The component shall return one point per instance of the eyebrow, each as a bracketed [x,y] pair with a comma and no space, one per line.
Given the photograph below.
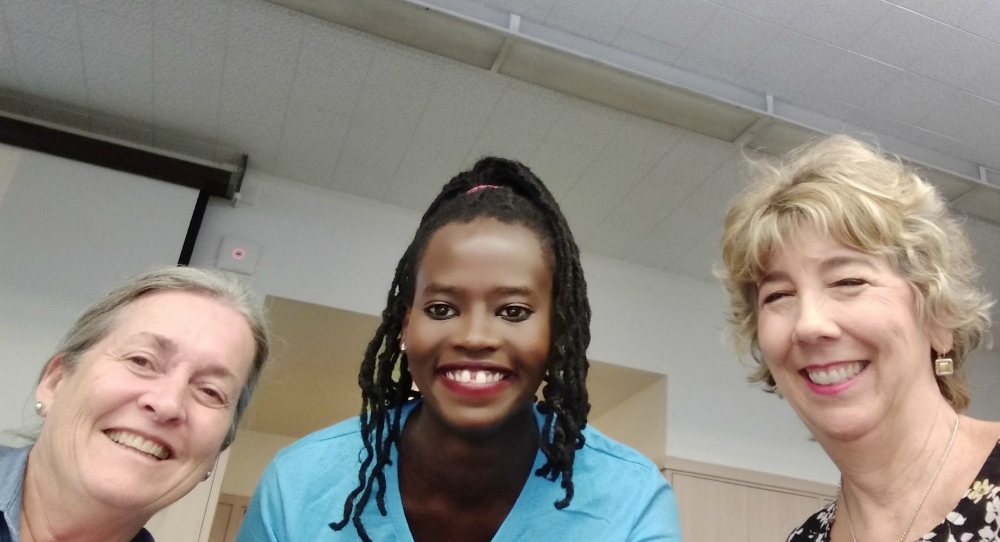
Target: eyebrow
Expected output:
[435,288]
[826,266]
[170,346]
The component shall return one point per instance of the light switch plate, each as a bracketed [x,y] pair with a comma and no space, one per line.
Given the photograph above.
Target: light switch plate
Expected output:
[238,255]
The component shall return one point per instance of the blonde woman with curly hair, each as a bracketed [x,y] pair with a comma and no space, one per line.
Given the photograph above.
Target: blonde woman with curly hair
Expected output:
[855,291]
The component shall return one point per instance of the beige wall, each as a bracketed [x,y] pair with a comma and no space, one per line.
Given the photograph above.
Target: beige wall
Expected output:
[640,421]
[251,452]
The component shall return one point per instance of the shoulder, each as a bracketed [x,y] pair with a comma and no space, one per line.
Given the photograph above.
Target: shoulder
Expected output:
[817,527]
[333,443]
[612,456]
[10,455]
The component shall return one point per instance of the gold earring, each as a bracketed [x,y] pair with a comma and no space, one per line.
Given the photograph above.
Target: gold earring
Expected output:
[944,366]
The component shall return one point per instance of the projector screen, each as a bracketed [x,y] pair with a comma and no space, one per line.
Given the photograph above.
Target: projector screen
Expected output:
[69,231]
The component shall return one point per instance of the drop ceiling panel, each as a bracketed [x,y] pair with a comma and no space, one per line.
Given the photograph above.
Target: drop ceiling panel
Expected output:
[177,79]
[120,85]
[984,22]
[456,113]
[574,142]
[598,20]
[675,22]
[332,67]
[132,38]
[53,18]
[521,120]
[854,79]
[788,65]
[50,68]
[908,98]
[137,10]
[838,23]
[310,144]
[733,37]
[779,12]
[698,260]
[396,92]
[646,47]
[203,18]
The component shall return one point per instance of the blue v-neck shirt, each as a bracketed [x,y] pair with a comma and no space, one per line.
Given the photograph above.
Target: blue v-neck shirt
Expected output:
[620,496]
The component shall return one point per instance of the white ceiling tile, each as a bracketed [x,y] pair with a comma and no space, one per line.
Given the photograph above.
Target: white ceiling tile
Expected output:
[788,65]
[899,38]
[332,68]
[675,22]
[395,94]
[522,118]
[536,10]
[702,212]
[205,19]
[779,12]
[908,98]
[638,146]
[187,66]
[50,68]
[854,79]
[10,79]
[55,18]
[573,143]
[709,66]
[839,23]
[873,123]
[311,141]
[734,37]
[131,38]
[954,58]
[256,131]
[118,85]
[138,10]
[691,161]
[616,234]
[984,22]
[598,20]
[265,30]
[952,12]
[964,117]
[699,260]
[986,81]
[250,77]
[645,46]
[456,113]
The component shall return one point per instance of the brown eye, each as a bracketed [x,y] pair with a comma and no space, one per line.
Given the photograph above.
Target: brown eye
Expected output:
[440,311]
[515,313]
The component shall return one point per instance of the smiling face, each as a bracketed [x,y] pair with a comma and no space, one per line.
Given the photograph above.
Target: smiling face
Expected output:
[477,335]
[141,418]
[840,333]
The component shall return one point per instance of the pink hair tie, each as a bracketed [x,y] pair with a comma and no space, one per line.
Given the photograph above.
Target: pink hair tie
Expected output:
[482,187]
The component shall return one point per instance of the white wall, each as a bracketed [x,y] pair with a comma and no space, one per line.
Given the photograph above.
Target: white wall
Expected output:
[68,232]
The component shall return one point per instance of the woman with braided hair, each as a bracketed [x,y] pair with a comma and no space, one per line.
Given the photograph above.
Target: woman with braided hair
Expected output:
[487,302]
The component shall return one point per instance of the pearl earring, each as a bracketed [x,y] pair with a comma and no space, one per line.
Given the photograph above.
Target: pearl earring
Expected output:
[207,475]
[38,407]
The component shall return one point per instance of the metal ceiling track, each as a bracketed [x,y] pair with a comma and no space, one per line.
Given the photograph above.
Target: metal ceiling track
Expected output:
[505,43]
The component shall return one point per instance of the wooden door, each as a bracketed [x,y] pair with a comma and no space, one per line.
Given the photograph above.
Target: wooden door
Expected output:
[228,518]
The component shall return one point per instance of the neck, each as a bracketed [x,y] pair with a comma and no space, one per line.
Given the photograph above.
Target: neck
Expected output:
[52,511]
[468,469]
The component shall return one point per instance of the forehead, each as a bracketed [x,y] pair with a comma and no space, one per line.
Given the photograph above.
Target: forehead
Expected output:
[486,248]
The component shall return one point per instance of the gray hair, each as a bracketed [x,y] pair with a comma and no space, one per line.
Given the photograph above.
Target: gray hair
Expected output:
[99,320]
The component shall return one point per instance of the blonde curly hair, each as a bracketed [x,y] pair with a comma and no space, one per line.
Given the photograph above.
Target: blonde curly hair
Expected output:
[873,203]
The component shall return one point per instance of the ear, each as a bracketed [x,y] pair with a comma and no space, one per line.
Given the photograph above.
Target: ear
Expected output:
[942,341]
[52,378]
[406,324]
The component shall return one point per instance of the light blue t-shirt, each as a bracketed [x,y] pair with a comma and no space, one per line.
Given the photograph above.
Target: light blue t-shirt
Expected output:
[620,496]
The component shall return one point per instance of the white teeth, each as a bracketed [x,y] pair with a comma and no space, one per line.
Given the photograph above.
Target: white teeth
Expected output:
[837,375]
[139,443]
[476,377]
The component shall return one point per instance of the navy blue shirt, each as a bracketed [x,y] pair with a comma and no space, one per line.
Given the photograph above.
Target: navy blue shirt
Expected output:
[12,464]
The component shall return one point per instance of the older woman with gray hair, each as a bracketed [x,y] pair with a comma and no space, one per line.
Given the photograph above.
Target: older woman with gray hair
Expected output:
[144,392]
[855,291]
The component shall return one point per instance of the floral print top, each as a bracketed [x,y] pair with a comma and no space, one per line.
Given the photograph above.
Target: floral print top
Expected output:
[975,519]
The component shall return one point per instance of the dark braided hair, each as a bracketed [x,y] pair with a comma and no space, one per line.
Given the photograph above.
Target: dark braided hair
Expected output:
[509,192]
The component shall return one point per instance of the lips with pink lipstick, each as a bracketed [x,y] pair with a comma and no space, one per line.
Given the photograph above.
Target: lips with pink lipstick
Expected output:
[475,378]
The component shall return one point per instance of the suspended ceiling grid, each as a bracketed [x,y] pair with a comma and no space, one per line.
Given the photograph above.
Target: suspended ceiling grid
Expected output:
[325,105]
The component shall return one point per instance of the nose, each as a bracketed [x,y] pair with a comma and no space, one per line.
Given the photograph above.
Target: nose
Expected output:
[478,332]
[164,399]
[813,322]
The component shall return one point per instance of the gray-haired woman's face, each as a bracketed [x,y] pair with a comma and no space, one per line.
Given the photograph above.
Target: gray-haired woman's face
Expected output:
[840,333]
[142,417]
